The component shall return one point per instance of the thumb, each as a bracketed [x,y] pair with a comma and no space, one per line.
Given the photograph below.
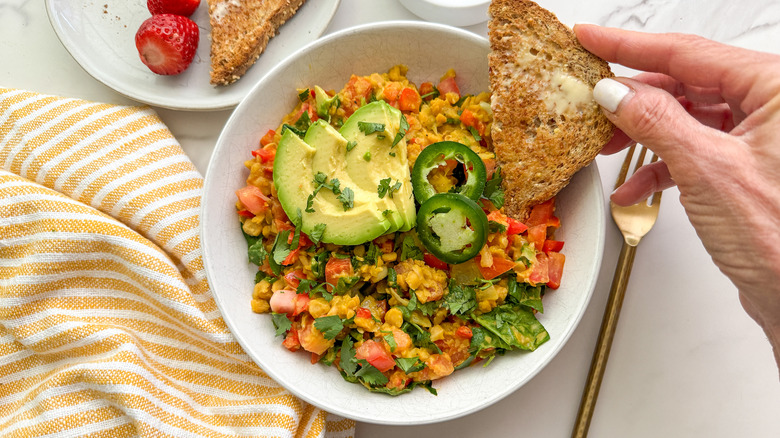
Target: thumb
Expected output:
[652,117]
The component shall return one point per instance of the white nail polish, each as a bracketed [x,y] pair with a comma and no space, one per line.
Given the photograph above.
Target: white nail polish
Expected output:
[609,93]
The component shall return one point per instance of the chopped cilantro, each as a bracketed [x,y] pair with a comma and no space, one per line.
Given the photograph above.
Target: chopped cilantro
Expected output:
[347,361]
[390,339]
[351,145]
[281,323]
[372,254]
[496,227]
[461,299]
[409,249]
[369,374]
[303,122]
[385,188]
[409,364]
[475,133]
[316,233]
[493,191]
[369,127]
[303,96]
[347,198]
[404,127]
[293,129]
[330,326]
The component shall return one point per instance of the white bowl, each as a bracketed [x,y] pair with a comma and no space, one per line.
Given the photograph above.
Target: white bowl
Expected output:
[452,12]
[429,50]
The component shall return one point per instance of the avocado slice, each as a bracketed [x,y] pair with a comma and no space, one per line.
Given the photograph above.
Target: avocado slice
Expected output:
[324,102]
[373,128]
[329,159]
[294,178]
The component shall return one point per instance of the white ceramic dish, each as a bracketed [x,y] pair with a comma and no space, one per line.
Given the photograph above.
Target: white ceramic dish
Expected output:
[101,38]
[429,50]
[452,12]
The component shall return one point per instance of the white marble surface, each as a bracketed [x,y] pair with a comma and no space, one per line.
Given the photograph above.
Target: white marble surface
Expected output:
[686,361]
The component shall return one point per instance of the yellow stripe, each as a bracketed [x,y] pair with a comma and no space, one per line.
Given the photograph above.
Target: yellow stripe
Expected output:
[101,333]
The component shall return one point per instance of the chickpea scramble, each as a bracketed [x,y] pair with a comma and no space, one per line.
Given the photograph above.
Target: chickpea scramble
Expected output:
[375,216]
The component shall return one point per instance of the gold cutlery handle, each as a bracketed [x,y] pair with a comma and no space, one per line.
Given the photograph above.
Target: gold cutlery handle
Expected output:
[604,344]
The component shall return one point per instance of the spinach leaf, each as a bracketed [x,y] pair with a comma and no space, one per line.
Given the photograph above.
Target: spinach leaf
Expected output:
[515,326]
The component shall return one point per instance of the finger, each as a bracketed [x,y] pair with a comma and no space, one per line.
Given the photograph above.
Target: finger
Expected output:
[650,178]
[679,89]
[655,119]
[719,116]
[618,142]
[690,59]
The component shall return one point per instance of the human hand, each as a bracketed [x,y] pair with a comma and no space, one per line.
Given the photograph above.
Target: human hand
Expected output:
[711,112]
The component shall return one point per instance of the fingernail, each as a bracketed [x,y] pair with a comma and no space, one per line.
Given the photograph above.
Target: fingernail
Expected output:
[609,93]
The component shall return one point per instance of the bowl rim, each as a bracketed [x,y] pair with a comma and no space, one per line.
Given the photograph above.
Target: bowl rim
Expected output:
[591,173]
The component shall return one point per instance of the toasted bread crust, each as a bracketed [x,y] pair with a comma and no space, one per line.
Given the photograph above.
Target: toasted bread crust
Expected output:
[240,31]
[546,125]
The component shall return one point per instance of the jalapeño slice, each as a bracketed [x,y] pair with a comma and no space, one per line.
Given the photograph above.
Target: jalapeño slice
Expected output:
[452,227]
[473,175]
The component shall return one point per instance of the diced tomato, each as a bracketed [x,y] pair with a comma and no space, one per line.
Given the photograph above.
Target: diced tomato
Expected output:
[374,353]
[266,154]
[540,271]
[410,100]
[537,234]
[514,226]
[552,245]
[315,358]
[497,216]
[291,257]
[245,213]
[464,332]
[293,278]
[555,269]
[335,268]
[253,199]
[301,303]
[434,262]
[499,266]
[357,92]
[312,340]
[470,120]
[291,341]
[448,85]
[392,91]
[308,109]
[541,213]
[553,222]
[398,380]
[426,88]
[268,138]
[289,302]
[362,312]
[490,166]
[385,245]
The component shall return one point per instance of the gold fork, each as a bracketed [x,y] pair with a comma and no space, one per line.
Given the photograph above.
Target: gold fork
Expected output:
[634,222]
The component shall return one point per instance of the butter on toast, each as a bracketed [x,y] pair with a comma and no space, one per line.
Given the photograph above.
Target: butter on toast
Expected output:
[546,125]
[240,31]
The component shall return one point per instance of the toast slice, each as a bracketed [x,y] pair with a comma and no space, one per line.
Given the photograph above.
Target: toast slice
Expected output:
[240,31]
[546,125]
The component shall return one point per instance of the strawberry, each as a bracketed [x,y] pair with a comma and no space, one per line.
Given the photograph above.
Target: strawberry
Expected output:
[167,43]
[176,7]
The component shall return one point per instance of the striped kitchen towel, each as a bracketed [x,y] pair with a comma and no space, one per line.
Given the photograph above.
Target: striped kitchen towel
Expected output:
[107,324]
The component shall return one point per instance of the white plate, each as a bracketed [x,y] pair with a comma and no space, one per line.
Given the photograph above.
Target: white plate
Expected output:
[100,35]
[429,50]
[452,12]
